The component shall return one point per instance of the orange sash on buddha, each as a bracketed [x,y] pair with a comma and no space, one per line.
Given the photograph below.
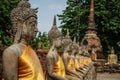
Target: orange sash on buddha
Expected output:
[29,67]
[71,66]
[77,63]
[86,60]
[111,58]
[90,60]
[94,57]
[81,62]
[59,68]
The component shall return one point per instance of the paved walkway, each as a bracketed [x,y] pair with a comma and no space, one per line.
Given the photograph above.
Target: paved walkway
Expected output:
[107,76]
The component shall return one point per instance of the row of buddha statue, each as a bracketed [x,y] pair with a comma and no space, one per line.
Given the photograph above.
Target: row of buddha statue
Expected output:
[74,64]
[20,61]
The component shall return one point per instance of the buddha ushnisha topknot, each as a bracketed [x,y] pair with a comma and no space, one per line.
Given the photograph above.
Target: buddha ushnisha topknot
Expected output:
[67,40]
[22,12]
[54,32]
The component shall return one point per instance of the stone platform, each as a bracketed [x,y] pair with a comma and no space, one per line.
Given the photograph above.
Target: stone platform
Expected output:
[107,76]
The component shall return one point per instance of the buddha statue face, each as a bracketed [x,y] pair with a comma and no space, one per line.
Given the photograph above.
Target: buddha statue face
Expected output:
[58,41]
[80,50]
[67,43]
[74,48]
[55,35]
[30,28]
[24,21]
[112,51]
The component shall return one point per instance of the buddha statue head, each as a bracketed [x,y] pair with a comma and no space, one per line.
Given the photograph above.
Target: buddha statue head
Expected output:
[24,21]
[80,50]
[67,41]
[112,51]
[74,46]
[55,35]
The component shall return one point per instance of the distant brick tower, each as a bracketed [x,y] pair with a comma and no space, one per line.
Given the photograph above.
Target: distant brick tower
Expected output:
[91,32]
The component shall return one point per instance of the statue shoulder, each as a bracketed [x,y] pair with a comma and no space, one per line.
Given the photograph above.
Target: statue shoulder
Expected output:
[12,50]
[50,55]
[65,54]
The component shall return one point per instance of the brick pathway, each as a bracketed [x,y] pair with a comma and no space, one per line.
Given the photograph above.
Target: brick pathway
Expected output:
[107,76]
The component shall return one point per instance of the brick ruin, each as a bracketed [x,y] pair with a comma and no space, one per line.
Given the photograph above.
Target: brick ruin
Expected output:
[91,34]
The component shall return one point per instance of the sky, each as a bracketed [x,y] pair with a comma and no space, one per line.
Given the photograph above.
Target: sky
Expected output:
[46,11]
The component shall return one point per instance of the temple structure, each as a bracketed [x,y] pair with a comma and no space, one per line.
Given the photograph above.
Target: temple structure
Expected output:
[91,32]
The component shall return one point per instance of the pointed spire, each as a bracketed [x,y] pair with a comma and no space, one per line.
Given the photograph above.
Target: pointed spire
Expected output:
[68,34]
[74,40]
[91,24]
[24,0]
[54,21]
[78,43]
[54,31]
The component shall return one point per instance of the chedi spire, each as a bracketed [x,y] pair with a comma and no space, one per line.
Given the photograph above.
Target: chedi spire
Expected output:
[91,23]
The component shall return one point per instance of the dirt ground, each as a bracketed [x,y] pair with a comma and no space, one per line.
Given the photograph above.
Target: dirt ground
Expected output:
[107,76]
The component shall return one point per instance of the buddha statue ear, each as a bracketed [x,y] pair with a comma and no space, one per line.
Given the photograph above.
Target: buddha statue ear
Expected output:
[18,34]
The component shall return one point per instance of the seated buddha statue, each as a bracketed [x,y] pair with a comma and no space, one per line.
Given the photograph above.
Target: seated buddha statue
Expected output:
[68,61]
[83,68]
[20,61]
[74,48]
[112,58]
[54,61]
[93,55]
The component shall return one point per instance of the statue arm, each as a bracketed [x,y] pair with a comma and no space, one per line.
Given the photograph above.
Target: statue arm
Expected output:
[65,60]
[50,63]
[10,65]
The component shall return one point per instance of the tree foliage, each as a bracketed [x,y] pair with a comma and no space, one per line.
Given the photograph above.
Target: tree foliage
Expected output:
[6,37]
[107,18]
[41,41]
[5,24]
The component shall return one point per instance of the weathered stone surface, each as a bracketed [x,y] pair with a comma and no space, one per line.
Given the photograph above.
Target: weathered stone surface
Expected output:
[107,76]
[91,33]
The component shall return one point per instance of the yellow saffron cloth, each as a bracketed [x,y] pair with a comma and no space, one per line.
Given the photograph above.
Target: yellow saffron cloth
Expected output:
[94,57]
[111,58]
[90,60]
[59,67]
[29,67]
[87,60]
[77,63]
[44,73]
[71,66]
[81,62]
[84,61]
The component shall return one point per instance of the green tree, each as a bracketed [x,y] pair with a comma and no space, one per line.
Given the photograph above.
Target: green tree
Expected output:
[6,37]
[5,24]
[107,18]
[41,41]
